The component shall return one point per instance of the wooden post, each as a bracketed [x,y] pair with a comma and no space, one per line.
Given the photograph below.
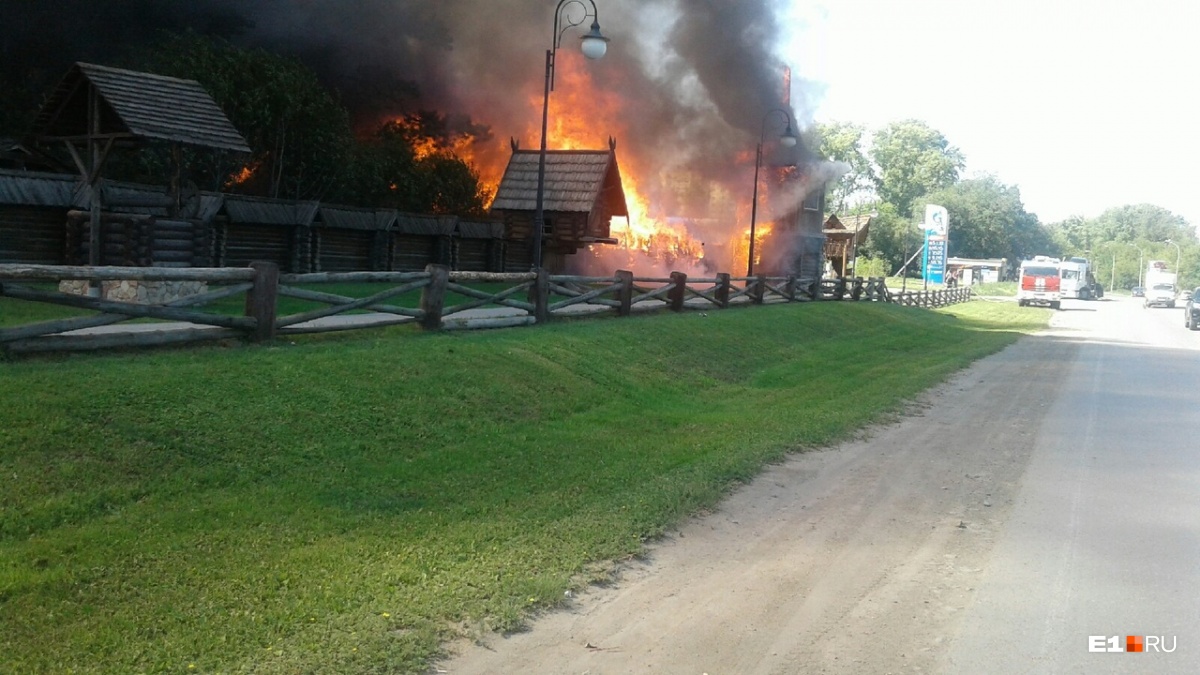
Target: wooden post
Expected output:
[760,288]
[625,294]
[433,296]
[789,288]
[261,300]
[722,293]
[677,294]
[539,296]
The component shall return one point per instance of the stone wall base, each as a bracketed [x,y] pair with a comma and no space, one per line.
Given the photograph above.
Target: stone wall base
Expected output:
[140,292]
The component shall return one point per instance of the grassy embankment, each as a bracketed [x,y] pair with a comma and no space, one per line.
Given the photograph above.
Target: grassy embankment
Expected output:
[345,504]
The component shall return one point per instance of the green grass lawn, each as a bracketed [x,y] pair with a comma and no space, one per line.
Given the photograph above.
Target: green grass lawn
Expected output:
[346,504]
[895,284]
[1007,288]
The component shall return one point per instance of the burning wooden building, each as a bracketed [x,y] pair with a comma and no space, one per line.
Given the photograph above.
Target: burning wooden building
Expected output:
[85,219]
[582,194]
[796,243]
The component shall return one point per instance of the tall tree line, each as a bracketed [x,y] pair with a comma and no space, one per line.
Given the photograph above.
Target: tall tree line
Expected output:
[894,172]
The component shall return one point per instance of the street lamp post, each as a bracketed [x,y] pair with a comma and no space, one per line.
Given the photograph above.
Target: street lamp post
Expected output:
[1141,254]
[787,139]
[1177,254]
[594,45]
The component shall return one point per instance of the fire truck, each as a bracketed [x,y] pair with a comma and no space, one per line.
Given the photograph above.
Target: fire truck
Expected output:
[1040,282]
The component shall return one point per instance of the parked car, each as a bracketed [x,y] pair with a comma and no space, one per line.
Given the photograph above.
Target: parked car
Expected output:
[1183,297]
[1191,311]
[1139,292]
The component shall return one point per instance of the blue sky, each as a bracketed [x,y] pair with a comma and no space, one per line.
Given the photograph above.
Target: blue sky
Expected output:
[1082,105]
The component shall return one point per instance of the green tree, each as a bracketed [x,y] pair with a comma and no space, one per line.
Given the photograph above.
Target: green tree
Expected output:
[913,159]
[892,237]
[1141,221]
[1127,236]
[1071,235]
[382,172]
[988,220]
[451,185]
[385,171]
[842,142]
[299,134]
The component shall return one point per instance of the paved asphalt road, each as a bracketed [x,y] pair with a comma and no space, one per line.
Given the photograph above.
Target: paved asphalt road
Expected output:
[1047,494]
[1104,534]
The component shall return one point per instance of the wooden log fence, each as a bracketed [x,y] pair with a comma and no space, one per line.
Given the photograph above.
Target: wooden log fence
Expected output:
[526,298]
[79,333]
[937,298]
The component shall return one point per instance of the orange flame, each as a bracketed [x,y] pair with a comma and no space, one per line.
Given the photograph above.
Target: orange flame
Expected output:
[584,115]
[424,146]
[241,176]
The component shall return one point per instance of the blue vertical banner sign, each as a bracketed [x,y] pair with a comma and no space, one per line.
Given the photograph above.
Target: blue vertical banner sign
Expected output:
[937,225]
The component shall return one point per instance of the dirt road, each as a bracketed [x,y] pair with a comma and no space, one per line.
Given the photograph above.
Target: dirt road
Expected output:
[867,557]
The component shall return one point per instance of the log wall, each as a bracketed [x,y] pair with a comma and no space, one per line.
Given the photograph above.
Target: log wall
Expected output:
[33,235]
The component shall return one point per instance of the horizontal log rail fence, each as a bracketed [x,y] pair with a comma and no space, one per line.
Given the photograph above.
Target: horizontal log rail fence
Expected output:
[526,298]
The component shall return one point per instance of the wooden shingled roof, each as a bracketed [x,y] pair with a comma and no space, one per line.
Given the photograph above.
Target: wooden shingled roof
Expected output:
[576,181]
[136,106]
[264,211]
[351,218]
[26,188]
[848,226]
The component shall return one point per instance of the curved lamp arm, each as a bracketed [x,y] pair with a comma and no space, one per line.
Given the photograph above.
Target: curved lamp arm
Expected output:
[788,138]
[593,44]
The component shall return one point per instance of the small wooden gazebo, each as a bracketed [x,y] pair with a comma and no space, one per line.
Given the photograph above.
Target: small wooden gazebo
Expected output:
[96,108]
[582,194]
[843,236]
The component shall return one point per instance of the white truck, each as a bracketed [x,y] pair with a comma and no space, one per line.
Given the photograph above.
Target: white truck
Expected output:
[1078,281]
[1160,285]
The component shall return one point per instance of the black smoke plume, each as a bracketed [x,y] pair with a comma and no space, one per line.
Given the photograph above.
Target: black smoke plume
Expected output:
[697,77]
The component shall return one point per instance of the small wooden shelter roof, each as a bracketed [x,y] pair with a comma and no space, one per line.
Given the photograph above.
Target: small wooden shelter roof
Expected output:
[352,218]
[481,229]
[260,210]
[137,106]
[575,182]
[67,191]
[848,227]
[28,188]
[424,224]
